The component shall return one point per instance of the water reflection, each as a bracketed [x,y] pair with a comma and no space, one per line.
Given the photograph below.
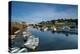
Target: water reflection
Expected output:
[52,40]
[66,33]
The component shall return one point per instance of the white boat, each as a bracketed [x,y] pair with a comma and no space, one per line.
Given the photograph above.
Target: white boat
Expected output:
[23,50]
[32,42]
[54,29]
[45,29]
[18,50]
[26,34]
[14,50]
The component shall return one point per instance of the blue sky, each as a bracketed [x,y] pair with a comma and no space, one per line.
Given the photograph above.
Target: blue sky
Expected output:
[37,12]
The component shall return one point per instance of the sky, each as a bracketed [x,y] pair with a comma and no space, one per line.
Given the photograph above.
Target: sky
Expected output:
[37,12]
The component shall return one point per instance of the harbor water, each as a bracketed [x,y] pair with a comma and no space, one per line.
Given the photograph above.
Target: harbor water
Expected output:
[49,40]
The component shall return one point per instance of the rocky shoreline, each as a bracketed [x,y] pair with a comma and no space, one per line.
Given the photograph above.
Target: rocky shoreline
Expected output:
[22,41]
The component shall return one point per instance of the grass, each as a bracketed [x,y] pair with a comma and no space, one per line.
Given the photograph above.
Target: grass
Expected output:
[15,27]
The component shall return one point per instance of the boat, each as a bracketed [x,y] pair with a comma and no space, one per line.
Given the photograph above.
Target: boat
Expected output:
[32,42]
[54,29]
[23,50]
[26,34]
[15,49]
[18,50]
[45,29]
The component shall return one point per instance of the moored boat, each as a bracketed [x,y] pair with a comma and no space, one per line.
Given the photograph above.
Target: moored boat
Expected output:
[32,42]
